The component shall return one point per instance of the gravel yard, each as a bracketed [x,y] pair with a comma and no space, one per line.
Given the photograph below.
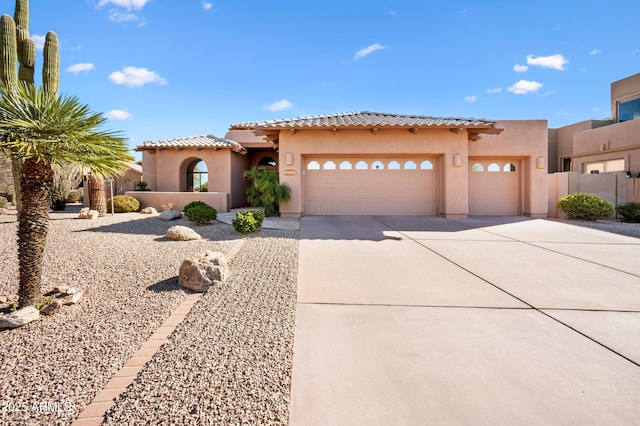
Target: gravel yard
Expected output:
[52,368]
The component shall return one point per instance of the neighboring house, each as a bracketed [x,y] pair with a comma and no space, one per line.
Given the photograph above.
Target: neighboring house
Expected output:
[128,181]
[602,146]
[376,163]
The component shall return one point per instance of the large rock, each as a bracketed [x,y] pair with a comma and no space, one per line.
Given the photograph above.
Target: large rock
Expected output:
[202,270]
[149,210]
[170,215]
[86,213]
[19,318]
[182,233]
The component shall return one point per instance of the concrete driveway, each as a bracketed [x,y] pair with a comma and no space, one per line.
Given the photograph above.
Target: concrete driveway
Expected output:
[482,321]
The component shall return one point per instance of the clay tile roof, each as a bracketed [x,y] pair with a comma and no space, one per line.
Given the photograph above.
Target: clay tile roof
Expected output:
[365,119]
[202,141]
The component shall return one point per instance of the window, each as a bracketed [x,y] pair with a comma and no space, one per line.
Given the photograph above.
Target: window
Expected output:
[566,164]
[346,165]
[509,167]
[394,165]
[267,161]
[313,165]
[426,165]
[410,165]
[197,176]
[329,165]
[377,165]
[362,165]
[493,167]
[477,167]
[605,166]
[629,110]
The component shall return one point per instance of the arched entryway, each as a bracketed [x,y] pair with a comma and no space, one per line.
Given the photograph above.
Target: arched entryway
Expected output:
[197,176]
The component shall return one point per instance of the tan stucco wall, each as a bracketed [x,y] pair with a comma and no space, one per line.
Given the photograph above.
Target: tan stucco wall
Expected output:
[524,140]
[127,182]
[217,200]
[239,164]
[621,90]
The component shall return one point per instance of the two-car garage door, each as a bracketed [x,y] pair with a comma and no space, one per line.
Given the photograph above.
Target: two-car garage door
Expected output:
[385,185]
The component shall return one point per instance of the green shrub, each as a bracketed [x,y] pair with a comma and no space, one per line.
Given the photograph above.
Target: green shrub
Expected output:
[3,203]
[75,196]
[585,206]
[630,212]
[123,204]
[247,221]
[199,212]
[142,186]
[266,191]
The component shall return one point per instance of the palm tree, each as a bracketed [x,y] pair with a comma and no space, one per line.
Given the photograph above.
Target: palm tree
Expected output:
[45,129]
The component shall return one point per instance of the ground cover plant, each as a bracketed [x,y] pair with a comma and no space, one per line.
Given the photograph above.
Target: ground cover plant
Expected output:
[247,221]
[200,212]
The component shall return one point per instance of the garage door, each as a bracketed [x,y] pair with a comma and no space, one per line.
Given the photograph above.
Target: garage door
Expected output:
[380,185]
[494,187]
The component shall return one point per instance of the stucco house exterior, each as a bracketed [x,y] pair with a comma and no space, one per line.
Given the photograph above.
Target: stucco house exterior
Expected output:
[367,163]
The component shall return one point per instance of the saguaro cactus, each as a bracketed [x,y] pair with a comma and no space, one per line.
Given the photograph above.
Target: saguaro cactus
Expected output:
[18,53]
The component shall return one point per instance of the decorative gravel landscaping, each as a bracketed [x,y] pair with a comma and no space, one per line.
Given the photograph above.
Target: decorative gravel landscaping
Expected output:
[230,359]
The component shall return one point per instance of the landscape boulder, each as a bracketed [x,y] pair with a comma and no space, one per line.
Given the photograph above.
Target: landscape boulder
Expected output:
[86,213]
[170,215]
[19,318]
[202,270]
[182,233]
[149,210]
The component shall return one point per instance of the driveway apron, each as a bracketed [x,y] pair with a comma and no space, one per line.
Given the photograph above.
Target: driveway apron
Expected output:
[483,321]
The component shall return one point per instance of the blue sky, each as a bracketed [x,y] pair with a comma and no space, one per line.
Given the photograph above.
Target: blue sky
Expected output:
[166,68]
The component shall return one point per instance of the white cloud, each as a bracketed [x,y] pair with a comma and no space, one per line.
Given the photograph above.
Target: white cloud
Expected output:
[367,51]
[207,5]
[595,52]
[136,77]
[81,67]
[39,40]
[556,62]
[280,105]
[523,87]
[118,114]
[470,99]
[520,68]
[128,4]
[393,13]
[494,91]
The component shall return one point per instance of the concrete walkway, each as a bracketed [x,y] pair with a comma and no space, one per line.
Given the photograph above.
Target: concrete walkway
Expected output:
[483,321]
[269,222]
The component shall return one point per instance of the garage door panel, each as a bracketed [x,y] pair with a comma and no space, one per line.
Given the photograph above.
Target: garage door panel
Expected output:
[368,190]
[494,187]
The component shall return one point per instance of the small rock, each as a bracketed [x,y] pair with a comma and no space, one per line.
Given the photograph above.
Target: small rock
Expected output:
[170,215]
[19,318]
[70,290]
[61,289]
[86,213]
[51,308]
[182,233]
[202,270]
[75,298]
[149,210]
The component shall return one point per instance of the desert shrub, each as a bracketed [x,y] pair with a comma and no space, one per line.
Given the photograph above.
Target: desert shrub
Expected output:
[123,204]
[629,212]
[247,221]
[3,203]
[142,186]
[75,196]
[266,191]
[585,206]
[200,213]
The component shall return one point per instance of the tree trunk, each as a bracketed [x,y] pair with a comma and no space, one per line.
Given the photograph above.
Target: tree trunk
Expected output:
[33,223]
[16,166]
[97,194]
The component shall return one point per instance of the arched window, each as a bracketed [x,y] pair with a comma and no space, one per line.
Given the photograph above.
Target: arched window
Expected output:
[426,165]
[409,165]
[267,162]
[477,167]
[362,165]
[509,167]
[493,167]
[313,165]
[197,176]
[329,165]
[394,165]
[377,165]
[346,165]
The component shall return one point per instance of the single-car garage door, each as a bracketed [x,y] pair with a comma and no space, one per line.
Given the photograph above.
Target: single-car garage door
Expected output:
[370,185]
[494,187]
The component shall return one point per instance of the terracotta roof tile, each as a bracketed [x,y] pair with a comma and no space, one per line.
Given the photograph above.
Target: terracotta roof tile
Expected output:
[365,119]
[202,141]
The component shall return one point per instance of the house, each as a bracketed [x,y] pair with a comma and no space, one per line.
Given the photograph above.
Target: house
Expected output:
[362,163]
[602,146]
[377,163]
[600,156]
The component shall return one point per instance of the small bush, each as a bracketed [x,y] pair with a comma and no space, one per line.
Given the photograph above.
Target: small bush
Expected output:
[199,212]
[585,206]
[247,221]
[142,186]
[123,204]
[75,196]
[629,212]
[3,203]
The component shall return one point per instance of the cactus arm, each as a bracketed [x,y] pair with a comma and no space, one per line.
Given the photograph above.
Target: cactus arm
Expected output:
[8,51]
[27,59]
[51,66]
